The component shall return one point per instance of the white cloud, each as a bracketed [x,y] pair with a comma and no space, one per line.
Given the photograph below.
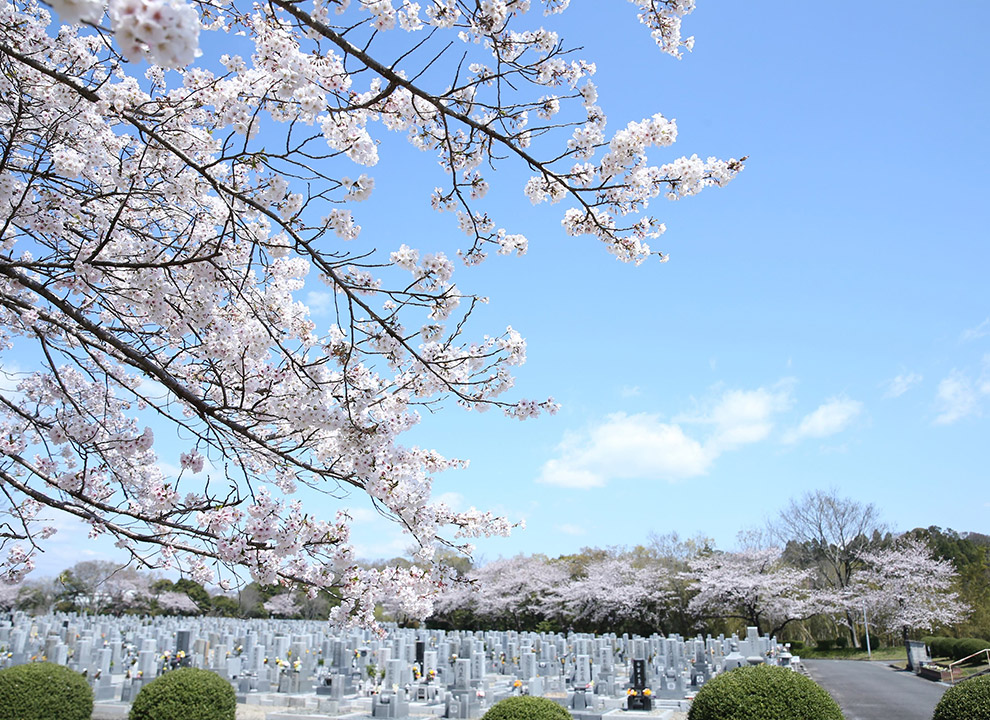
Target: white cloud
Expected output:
[453,500]
[642,447]
[71,544]
[375,537]
[955,399]
[984,381]
[629,447]
[901,384]
[743,417]
[569,529]
[364,516]
[153,390]
[384,547]
[975,333]
[830,418]
[320,302]
[628,391]
[565,473]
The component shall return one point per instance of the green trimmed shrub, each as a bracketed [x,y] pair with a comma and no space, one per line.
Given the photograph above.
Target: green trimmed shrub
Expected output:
[763,692]
[968,646]
[969,700]
[955,648]
[942,647]
[526,707]
[825,644]
[43,691]
[185,694]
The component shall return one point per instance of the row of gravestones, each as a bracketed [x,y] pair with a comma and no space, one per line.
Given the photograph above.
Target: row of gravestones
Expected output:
[460,672]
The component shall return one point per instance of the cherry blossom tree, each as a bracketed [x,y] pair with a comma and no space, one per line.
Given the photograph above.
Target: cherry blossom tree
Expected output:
[613,592]
[8,596]
[755,586]
[672,554]
[514,593]
[904,588]
[177,603]
[102,586]
[36,595]
[172,170]
[829,533]
[283,605]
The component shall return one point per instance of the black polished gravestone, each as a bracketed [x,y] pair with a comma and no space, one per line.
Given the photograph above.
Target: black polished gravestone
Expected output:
[183,639]
[639,696]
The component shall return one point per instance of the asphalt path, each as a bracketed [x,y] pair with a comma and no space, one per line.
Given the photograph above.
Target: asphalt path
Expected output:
[876,691]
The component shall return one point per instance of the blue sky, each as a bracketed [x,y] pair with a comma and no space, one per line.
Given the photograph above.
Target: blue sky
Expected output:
[823,320]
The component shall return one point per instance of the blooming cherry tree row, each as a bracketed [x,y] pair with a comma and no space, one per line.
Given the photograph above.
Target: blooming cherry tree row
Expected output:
[603,592]
[901,584]
[172,172]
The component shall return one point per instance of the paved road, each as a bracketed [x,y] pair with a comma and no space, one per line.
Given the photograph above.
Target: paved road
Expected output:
[875,691]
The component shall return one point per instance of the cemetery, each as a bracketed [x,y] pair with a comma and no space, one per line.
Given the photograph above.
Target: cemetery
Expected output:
[264,265]
[297,668]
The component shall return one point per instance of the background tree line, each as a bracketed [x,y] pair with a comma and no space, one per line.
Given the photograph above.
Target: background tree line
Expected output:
[805,576]
[103,587]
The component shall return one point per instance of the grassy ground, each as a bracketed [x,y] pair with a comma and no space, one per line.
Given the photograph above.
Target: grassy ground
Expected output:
[889,654]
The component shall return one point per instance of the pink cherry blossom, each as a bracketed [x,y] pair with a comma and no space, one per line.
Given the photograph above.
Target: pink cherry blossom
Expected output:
[157,242]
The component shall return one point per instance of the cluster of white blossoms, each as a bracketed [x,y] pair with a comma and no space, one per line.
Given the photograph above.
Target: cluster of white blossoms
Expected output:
[159,229]
[163,32]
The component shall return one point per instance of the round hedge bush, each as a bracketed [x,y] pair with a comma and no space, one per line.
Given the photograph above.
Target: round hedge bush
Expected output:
[42,691]
[184,694]
[763,692]
[526,707]
[969,700]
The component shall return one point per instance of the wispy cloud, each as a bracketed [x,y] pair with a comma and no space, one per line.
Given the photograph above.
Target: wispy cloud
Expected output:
[831,417]
[628,391]
[320,302]
[645,447]
[901,384]
[956,398]
[376,537]
[980,331]
[71,544]
[742,417]
[453,500]
[628,447]
[984,382]
[568,529]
